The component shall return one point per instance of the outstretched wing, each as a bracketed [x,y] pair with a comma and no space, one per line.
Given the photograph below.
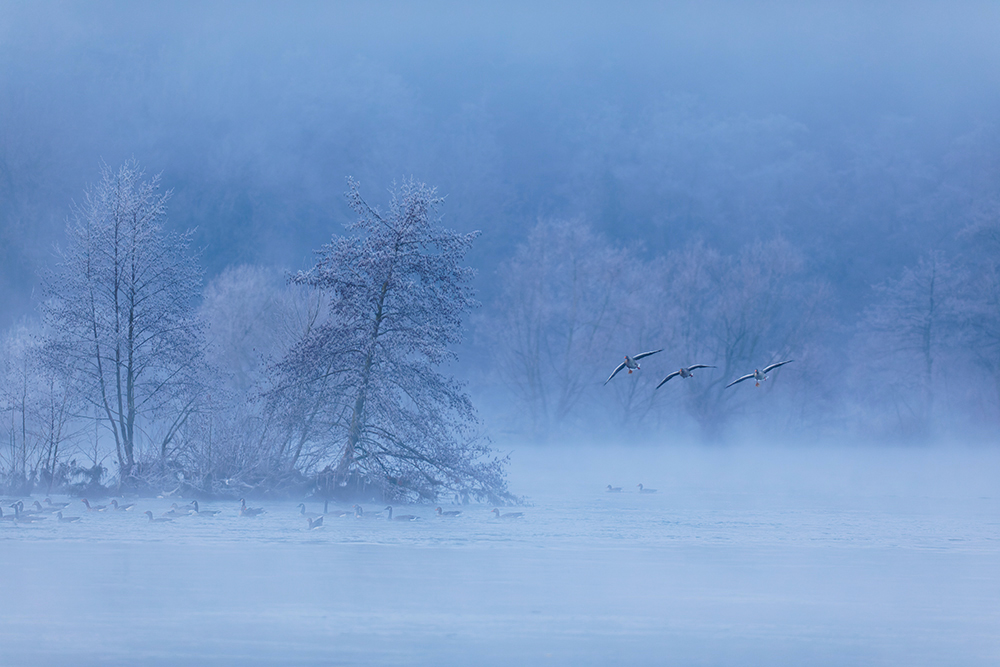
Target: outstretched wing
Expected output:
[738,380]
[662,382]
[691,368]
[770,368]
[646,354]
[620,366]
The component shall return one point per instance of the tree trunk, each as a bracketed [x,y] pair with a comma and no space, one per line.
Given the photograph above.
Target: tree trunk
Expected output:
[358,415]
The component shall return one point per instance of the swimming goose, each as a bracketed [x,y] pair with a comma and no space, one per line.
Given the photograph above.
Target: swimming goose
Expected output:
[158,519]
[441,512]
[121,508]
[684,373]
[21,517]
[359,511]
[400,517]
[36,508]
[201,512]
[249,511]
[308,515]
[645,490]
[5,517]
[757,375]
[614,489]
[93,508]
[315,523]
[66,519]
[508,515]
[56,506]
[631,363]
[176,511]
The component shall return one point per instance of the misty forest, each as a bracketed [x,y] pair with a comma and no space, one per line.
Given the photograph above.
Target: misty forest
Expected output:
[265,270]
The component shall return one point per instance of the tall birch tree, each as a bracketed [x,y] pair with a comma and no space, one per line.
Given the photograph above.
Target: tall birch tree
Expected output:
[120,306]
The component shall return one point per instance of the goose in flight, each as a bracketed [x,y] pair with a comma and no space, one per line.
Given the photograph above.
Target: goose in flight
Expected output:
[631,363]
[758,375]
[684,373]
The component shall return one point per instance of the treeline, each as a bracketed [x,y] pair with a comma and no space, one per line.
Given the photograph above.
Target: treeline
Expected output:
[918,360]
[331,381]
[326,384]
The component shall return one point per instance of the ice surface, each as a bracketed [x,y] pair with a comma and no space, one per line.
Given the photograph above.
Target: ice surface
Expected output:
[744,556]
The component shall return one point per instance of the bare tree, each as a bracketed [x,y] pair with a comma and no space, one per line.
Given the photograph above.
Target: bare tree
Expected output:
[41,402]
[912,323]
[558,325]
[120,309]
[398,292]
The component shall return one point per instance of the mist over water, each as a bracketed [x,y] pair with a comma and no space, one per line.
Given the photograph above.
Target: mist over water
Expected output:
[744,555]
[734,186]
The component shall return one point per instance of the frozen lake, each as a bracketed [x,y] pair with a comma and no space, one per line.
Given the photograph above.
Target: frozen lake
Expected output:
[744,556]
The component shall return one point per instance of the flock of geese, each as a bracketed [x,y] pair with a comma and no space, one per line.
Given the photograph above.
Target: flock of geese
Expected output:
[39,512]
[632,364]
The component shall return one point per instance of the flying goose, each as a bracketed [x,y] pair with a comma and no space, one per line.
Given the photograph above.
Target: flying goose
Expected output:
[757,375]
[632,363]
[441,512]
[509,515]
[644,490]
[684,373]
[399,517]
[249,511]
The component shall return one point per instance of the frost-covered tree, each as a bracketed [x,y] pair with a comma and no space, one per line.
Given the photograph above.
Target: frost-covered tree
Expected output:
[561,320]
[398,291]
[37,407]
[120,309]
[737,312]
[911,326]
[252,316]
[980,314]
